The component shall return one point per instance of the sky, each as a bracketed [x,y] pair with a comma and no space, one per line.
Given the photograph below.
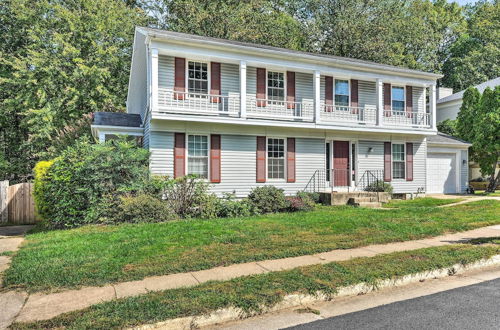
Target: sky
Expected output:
[463,2]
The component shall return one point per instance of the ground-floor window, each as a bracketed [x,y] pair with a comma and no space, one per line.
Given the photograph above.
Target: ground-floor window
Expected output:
[398,161]
[275,158]
[197,160]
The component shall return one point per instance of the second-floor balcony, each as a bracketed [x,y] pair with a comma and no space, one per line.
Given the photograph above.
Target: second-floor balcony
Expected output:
[171,102]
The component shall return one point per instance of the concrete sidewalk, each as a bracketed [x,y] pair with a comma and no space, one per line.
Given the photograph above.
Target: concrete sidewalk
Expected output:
[41,306]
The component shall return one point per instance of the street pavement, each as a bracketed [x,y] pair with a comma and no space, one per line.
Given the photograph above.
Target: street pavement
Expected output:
[470,307]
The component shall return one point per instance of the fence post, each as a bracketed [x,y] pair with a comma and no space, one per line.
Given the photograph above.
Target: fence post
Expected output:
[4,211]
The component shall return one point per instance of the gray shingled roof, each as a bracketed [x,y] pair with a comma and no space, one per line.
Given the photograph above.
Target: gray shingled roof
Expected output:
[442,138]
[170,34]
[481,87]
[117,119]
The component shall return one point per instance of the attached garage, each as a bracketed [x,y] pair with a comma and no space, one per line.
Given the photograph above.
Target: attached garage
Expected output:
[447,165]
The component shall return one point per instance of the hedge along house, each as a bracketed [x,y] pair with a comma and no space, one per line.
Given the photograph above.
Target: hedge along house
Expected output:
[244,115]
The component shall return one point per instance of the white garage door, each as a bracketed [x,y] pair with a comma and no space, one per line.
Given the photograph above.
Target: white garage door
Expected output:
[441,173]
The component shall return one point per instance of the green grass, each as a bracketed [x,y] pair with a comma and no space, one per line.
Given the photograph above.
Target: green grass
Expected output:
[96,255]
[421,202]
[251,293]
[483,193]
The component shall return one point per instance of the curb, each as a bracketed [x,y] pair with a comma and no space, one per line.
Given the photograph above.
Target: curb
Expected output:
[301,300]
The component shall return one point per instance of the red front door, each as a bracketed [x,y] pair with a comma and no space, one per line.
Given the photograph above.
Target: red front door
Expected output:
[340,163]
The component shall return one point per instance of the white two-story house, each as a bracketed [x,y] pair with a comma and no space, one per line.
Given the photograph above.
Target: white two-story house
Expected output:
[243,115]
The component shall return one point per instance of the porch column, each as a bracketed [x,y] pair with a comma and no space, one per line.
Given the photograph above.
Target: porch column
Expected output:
[154,79]
[243,89]
[317,97]
[432,105]
[424,94]
[380,102]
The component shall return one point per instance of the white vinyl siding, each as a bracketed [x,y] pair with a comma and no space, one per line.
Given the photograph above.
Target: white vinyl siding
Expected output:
[464,170]
[367,94]
[161,147]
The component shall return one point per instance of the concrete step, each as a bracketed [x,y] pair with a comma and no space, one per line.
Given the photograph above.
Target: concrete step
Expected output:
[365,199]
[369,204]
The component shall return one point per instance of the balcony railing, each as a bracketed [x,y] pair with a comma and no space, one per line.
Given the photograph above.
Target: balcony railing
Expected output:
[280,110]
[360,115]
[406,118]
[196,103]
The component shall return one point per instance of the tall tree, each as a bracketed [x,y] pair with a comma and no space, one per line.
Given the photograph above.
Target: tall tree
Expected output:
[72,58]
[475,56]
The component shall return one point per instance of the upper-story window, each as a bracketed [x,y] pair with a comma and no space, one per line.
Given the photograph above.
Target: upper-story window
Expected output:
[275,158]
[398,161]
[198,77]
[275,86]
[398,98]
[197,160]
[342,93]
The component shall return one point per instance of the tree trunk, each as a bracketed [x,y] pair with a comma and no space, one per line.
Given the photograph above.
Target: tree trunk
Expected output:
[493,181]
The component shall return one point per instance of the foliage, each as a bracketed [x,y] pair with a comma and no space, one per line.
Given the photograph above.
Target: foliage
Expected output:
[252,293]
[74,185]
[229,207]
[267,199]
[299,203]
[188,197]
[314,196]
[40,184]
[379,186]
[70,258]
[448,126]
[478,122]
[59,62]
[142,208]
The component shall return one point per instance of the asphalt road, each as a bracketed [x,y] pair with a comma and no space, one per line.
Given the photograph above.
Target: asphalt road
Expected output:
[470,307]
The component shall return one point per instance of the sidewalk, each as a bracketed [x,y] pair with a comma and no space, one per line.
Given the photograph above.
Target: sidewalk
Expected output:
[41,306]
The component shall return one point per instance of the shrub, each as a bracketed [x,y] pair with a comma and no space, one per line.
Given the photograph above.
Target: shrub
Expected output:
[267,199]
[142,208]
[230,207]
[379,186]
[188,197]
[70,191]
[314,196]
[300,203]
[41,169]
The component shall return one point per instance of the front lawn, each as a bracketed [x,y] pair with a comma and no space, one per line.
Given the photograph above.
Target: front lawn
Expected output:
[421,202]
[484,193]
[251,293]
[96,255]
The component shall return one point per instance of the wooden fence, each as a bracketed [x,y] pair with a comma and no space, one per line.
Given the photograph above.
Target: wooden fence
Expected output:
[17,205]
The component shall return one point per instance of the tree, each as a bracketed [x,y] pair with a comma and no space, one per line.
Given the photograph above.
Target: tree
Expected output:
[475,56]
[447,126]
[479,122]
[60,61]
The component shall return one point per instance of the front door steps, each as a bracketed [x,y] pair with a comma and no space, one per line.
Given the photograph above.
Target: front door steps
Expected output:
[363,199]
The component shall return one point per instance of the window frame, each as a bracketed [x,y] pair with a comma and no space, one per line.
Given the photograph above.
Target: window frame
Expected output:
[276,102]
[208,154]
[348,93]
[285,149]
[398,112]
[399,161]
[209,72]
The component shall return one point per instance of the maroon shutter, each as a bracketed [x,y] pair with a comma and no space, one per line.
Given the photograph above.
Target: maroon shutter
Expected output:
[387,99]
[329,94]
[261,159]
[180,78]
[290,160]
[409,101]
[179,155]
[354,96]
[409,161]
[261,87]
[215,154]
[387,161]
[290,89]
[215,81]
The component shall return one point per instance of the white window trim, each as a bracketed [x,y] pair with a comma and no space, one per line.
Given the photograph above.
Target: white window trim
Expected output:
[285,82]
[186,143]
[285,173]
[404,101]
[348,87]
[404,161]
[209,75]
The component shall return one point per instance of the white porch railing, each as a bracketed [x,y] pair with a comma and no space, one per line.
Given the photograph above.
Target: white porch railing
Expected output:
[360,115]
[196,103]
[404,118]
[280,110]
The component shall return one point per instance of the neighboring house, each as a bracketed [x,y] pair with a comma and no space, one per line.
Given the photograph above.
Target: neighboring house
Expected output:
[243,115]
[448,106]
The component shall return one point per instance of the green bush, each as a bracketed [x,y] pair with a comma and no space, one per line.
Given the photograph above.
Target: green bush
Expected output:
[379,186]
[229,207]
[268,199]
[70,191]
[142,208]
[314,196]
[300,203]
[187,196]
[40,171]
